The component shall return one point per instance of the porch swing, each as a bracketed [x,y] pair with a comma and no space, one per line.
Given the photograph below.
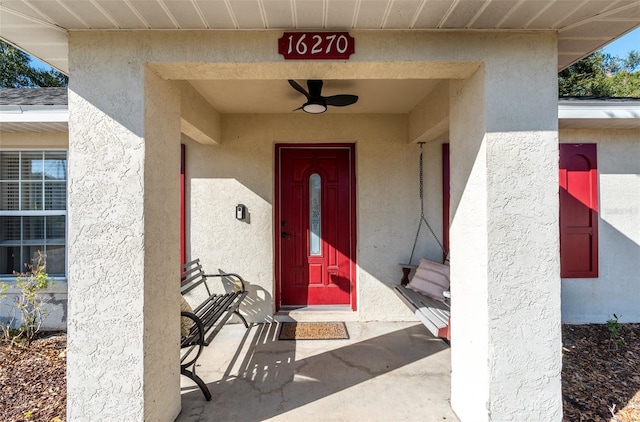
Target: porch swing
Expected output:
[427,293]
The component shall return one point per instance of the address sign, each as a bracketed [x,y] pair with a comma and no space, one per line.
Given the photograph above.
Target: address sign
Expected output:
[316,45]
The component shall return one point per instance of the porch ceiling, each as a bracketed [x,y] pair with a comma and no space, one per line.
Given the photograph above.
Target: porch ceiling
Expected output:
[40,26]
[398,96]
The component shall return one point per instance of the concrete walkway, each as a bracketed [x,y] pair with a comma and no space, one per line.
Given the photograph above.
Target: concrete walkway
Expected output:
[384,372]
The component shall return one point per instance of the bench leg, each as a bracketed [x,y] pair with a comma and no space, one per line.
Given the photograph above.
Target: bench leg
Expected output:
[241,317]
[197,380]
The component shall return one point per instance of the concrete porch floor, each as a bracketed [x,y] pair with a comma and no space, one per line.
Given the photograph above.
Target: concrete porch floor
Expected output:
[384,372]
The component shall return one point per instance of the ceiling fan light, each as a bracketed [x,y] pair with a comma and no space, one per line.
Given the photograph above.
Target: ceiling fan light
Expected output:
[314,108]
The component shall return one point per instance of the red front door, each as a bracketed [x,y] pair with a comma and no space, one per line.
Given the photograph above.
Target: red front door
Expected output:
[315,225]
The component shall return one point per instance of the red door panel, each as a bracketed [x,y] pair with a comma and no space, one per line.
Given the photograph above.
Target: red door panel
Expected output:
[315,242]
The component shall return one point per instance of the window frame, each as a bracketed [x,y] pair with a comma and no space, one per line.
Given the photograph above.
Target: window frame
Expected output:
[42,212]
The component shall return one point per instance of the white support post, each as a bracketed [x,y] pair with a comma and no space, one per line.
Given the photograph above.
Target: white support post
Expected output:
[505,282]
[123,325]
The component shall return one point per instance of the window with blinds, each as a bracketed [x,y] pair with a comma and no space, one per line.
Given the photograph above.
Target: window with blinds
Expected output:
[33,209]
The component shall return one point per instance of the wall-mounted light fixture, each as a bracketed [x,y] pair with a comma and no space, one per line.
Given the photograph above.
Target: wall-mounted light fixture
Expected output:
[241,212]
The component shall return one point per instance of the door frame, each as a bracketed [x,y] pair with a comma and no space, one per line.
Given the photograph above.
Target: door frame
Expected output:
[352,214]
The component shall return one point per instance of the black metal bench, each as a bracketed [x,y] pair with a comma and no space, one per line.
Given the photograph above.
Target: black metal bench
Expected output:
[208,318]
[435,315]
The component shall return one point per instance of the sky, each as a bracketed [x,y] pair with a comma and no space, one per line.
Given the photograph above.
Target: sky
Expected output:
[38,64]
[622,46]
[619,47]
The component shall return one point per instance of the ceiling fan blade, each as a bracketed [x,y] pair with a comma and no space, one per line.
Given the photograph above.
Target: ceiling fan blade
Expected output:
[341,100]
[298,88]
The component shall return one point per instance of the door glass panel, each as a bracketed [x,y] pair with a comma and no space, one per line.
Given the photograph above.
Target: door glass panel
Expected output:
[314,215]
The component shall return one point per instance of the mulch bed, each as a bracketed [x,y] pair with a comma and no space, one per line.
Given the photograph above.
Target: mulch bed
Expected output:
[33,381]
[600,382]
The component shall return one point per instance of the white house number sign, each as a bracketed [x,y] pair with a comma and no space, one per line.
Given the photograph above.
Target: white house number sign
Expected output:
[316,45]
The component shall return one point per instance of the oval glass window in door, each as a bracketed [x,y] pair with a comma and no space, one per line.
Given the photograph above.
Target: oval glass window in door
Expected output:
[315,226]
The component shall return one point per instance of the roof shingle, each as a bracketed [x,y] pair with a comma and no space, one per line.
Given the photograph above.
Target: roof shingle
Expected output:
[33,96]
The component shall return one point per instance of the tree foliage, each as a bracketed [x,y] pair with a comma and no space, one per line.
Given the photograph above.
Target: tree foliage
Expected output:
[602,75]
[17,72]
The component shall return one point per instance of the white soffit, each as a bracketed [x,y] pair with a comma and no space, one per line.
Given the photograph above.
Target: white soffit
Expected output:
[40,26]
[34,119]
[605,114]
[32,114]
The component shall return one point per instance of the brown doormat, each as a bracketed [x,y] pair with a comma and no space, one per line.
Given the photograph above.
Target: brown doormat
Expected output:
[313,331]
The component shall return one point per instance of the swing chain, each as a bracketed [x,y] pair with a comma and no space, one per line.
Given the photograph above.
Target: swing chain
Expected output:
[422,217]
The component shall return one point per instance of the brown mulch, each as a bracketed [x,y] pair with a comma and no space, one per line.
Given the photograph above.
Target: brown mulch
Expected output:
[33,381]
[600,382]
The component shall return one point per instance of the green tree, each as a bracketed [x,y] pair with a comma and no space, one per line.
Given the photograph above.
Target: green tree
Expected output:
[602,75]
[16,72]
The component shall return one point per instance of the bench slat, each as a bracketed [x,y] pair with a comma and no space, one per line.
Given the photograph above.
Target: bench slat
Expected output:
[215,308]
[211,302]
[433,314]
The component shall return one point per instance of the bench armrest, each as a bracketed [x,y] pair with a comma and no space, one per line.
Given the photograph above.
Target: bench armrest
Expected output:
[195,338]
[230,275]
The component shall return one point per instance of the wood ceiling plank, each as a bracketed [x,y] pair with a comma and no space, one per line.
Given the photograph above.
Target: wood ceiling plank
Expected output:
[340,14]
[402,17]
[58,14]
[122,14]
[91,14]
[185,13]
[463,14]
[492,14]
[217,14]
[584,11]
[371,14]
[279,14]
[521,17]
[152,13]
[248,14]
[310,14]
[432,14]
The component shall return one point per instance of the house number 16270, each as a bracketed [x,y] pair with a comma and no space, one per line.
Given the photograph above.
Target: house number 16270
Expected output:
[316,45]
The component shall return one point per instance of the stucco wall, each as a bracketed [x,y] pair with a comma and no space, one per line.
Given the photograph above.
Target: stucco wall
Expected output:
[617,288]
[54,306]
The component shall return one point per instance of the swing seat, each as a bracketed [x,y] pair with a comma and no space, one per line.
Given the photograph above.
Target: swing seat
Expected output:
[433,314]
[427,295]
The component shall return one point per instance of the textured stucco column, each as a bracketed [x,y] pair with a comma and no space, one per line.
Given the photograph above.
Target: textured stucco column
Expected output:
[505,284]
[124,133]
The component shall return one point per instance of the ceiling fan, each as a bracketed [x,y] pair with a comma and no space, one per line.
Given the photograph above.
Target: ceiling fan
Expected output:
[316,103]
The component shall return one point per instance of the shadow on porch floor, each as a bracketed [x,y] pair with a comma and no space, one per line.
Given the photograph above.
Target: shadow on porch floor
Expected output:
[384,372]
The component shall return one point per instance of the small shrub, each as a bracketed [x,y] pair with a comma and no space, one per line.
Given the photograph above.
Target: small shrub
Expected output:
[29,302]
[615,331]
